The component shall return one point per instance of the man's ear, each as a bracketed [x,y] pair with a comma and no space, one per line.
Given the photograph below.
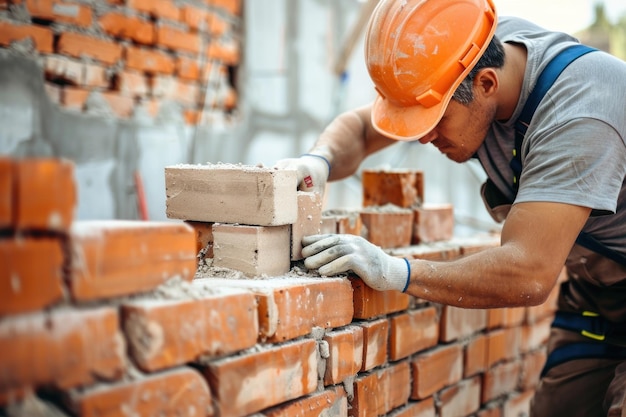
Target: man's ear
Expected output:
[486,82]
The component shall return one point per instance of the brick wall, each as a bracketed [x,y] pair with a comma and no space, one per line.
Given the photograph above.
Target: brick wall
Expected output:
[130,57]
[122,318]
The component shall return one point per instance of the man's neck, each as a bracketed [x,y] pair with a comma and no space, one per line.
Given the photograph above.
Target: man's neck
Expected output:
[511,80]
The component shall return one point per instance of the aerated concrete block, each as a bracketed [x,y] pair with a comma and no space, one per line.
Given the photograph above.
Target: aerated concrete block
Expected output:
[230,193]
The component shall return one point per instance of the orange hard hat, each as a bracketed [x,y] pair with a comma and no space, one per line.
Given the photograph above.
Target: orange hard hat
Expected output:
[417,53]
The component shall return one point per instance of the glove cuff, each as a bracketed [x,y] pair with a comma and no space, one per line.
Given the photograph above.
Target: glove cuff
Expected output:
[399,274]
[320,157]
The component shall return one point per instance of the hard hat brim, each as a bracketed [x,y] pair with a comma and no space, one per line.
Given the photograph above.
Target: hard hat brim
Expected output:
[406,123]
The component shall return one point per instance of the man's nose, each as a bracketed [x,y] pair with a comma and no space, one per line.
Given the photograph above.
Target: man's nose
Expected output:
[428,137]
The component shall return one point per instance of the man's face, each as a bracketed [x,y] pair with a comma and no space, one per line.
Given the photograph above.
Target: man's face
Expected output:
[461,130]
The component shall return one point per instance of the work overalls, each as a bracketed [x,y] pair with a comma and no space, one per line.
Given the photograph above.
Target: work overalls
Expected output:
[585,373]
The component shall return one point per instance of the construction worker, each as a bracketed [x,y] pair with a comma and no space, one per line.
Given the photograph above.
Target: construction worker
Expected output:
[546,118]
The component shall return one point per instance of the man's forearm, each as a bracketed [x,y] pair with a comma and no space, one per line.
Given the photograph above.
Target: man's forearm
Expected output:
[492,278]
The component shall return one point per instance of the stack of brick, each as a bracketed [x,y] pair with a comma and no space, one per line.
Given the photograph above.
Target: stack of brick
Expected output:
[130,54]
[395,198]
[130,332]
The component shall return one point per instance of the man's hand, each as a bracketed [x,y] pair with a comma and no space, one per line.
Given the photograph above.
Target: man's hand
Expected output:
[336,254]
[313,171]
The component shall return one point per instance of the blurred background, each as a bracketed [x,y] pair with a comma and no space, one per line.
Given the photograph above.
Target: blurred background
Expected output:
[124,88]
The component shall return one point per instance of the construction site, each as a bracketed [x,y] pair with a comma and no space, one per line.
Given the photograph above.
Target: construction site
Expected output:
[151,253]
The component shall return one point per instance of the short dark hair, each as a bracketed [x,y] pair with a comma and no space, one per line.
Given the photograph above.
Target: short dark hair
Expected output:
[493,57]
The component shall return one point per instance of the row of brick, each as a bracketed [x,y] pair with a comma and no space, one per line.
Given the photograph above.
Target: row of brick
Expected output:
[129,332]
[130,51]
[245,338]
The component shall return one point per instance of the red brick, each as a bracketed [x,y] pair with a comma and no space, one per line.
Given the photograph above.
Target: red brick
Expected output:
[122,26]
[413,331]
[346,221]
[331,402]
[160,334]
[230,98]
[307,223]
[204,238]
[425,408]
[165,87]
[433,223]
[60,11]
[95,76]
[7,179]
[253,381]
[187,68]
[375,342]
[179,392]
[496,347]
[149,61]
[436,369]
[500,380]
[387,227]
[535,335]
[400,187]
[518,404]
[514,317]
[492,410]
[31,275]
[462,399]
[64,70]
[122,257]
[194,17]
[192,117]
[177,39]
[345,354]
[457,323]
[216,25]
[45,196]
[78,45]
[290,308]
[379,392]
[66,348]
[131,84]
[162,9]
[224,51]
[42,37]
[475,356]
[532,365]
[369,303]
[231,6]
[121,106]
[74,98]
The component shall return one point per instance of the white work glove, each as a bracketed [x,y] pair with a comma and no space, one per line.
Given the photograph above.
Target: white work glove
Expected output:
[336,254]
[313,171]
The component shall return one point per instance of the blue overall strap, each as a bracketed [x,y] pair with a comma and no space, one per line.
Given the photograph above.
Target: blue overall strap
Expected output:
[583,350]
[545,80]
[591,243]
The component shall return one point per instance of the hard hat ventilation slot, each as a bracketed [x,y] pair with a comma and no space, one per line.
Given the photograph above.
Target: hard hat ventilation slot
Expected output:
[471,53]
[429,98]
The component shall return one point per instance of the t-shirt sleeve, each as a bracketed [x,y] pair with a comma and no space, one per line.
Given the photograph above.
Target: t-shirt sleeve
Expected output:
[581,162]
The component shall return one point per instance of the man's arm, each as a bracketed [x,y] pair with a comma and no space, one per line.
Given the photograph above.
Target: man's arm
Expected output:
[348,140]
[536,239]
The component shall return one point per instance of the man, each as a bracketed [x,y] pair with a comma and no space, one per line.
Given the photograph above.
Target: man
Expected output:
[450,74]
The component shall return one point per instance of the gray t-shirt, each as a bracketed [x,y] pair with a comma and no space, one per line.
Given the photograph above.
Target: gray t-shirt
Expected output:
[574,150]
